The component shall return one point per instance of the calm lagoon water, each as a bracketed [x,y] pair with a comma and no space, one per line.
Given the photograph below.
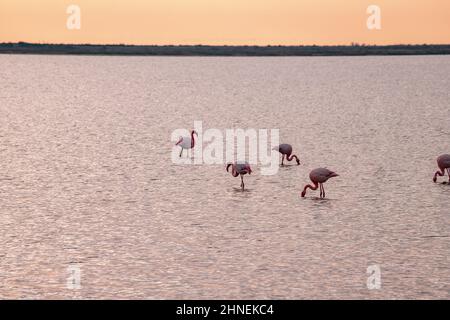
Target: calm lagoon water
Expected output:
[87,181]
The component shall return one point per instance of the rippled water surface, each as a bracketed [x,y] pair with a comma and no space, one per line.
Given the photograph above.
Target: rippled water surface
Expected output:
[86,178]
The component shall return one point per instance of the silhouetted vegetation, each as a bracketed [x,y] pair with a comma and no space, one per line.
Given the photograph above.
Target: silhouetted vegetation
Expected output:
[200,50]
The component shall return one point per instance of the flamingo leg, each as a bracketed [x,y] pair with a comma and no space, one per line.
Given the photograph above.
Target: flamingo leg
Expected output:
[242,182]
[181,152]
[282,160]
[448,171]
[320,188]
[323,191]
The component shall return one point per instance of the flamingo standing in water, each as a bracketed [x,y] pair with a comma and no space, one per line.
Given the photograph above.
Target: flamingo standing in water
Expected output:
[239,168]
[319,177]
[187,142]
[286,150]
[443,164]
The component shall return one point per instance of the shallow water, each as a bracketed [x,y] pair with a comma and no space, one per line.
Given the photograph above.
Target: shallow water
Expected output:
[86,178]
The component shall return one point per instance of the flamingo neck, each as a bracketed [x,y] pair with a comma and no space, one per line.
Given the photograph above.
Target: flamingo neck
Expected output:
[439,173]
[292,156]
[314,187]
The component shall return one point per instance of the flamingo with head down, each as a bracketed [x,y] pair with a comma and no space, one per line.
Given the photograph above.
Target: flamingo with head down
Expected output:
[286,150]
[187,142]
[443,162]
[239,168]
[319,177]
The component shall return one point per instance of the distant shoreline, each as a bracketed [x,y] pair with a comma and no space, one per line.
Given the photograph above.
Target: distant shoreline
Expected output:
[206,50]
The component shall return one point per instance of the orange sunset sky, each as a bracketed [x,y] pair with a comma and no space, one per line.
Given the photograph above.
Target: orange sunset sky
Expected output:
[233,22]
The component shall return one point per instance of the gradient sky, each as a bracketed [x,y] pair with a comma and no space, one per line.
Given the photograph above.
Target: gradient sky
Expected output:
[226,21]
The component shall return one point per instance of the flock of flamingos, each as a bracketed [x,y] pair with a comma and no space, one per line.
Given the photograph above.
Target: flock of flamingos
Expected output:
[318,176]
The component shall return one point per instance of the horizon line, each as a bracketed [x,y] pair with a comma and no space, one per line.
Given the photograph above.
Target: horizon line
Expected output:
[228,45]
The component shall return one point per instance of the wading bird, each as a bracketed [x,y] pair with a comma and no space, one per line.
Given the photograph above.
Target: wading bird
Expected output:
[443,164]
[187,142]
[286,150]
[319,177]
[239,168]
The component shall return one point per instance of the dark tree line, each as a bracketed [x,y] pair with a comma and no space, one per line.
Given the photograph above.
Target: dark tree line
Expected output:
[202,50]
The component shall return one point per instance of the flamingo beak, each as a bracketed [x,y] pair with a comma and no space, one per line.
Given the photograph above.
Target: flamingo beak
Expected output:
[334,175]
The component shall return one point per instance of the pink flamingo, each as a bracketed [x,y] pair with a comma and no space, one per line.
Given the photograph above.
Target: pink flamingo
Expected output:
[319,177]
[239,168]
[286,150]
[443,164]
[187,142]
